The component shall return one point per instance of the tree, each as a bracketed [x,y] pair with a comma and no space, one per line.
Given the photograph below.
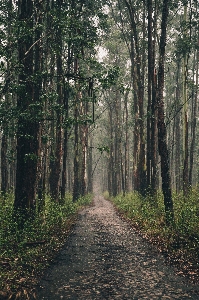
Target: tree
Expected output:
[28,125]
[151,108]
[194,112]
[185,116]
[56,160]
[137,73]
[162,134]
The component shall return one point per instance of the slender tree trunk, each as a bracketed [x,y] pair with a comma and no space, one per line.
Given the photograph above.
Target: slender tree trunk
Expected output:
[126,149]
[138,65]
[90,166]
[76,185]
[84,142]
[38,64]
[5,182]
[118,138]
[55,176]
[154,129]
[111,159]
[185,116]
[114,159]
[142,158]
[28,125]
[66,100]
[149,111]
[136,138]
[65,145]
[193,140]
[154,134]
[162,134]
[177,130]
[77,178]
[122,171]
[4,164]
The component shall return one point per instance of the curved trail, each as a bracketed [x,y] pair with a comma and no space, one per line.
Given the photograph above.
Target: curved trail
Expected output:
[104,259]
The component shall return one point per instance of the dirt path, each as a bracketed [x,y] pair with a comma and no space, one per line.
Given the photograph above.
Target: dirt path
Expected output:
[105,259]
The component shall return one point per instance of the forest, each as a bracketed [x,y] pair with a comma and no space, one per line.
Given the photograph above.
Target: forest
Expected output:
[99,97]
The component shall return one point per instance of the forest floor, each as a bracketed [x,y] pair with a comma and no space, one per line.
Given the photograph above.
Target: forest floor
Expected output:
[104,258]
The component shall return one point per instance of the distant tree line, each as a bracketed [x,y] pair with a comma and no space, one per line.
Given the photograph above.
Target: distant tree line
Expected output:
[152,128]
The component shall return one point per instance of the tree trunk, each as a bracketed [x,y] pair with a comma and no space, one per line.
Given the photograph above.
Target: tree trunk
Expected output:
[55,176]
[138,65]
[149,111]
[84,142]
[76,184]
[162,134]
[38,64]
[28,125]
[178,142]
[194,114]
[4,164]
[90,166]
[65,145]
[111,158]
[126,150]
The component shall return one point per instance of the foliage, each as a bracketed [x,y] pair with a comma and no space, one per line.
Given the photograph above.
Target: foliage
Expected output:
[110,78]
[148,216]
[24,254]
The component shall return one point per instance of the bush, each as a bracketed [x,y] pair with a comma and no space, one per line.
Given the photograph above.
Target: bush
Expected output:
[26,252]
[148,213]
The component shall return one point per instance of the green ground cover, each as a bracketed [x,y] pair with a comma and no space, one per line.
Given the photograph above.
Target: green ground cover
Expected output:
[24,254]
[180,243]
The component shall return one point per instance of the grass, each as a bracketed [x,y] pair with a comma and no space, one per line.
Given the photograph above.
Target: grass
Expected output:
[181,242]
[25,254]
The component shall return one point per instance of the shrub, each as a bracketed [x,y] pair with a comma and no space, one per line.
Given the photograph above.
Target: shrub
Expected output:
[26,252]
[149,214]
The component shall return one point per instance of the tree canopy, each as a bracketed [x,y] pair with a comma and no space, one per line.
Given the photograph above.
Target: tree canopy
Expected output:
[97,93]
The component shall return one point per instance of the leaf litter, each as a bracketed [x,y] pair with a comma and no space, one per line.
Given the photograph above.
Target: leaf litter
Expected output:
[104,258]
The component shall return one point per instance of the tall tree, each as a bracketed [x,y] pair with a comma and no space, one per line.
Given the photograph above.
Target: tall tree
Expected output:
[56,162]
[138,69]
[162,134]
[185,115]
[194,113]
[28,124]
[151,108]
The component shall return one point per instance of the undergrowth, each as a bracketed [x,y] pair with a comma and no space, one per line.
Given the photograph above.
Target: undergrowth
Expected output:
[147,214]
[24,254]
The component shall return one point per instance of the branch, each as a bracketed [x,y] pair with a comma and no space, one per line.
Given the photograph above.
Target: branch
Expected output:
[96,164]
[34,243]
[32,46]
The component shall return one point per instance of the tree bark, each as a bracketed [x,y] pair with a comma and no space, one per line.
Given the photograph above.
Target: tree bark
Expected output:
[162,134]
[149,111]
[28,125]
[76,184]
[65,144]
[185,116]
[4,164]
[126,150]
[138,87]
[194,114]
[178,141]
[55,175]
[90,166]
